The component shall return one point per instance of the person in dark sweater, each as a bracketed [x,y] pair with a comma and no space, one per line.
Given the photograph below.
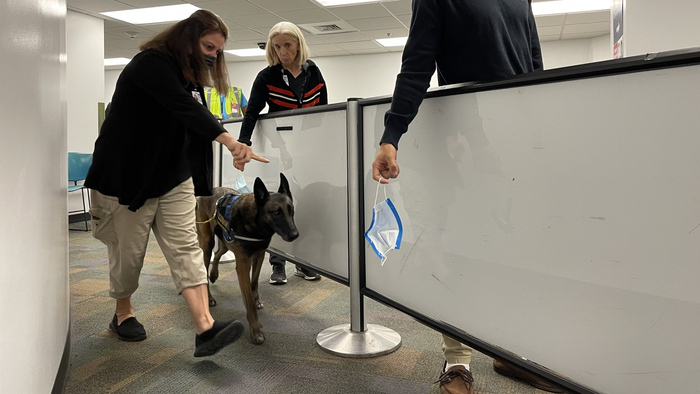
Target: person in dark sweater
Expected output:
[290,81]
[466,41]
[152,156]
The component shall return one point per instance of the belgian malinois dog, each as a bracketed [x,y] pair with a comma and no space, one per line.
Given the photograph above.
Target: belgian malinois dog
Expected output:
[245,224]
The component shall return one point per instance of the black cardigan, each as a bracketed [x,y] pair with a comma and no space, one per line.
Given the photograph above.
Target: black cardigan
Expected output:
[269,88]
[470,40]
[156,134]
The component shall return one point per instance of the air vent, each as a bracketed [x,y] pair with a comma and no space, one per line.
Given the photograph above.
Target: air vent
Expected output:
[333,27]
[327,28]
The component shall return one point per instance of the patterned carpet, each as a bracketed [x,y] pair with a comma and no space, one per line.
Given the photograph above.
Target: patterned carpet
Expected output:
[288,362]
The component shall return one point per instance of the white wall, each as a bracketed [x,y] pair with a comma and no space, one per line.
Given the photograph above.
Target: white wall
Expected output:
[34,289]
[657,26]
[565,53]
[86,79]
[85,85]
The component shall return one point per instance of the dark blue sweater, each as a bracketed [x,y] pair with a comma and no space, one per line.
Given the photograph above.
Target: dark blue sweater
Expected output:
[469,40]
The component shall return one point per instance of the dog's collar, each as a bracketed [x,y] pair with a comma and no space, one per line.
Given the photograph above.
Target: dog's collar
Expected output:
[223,222]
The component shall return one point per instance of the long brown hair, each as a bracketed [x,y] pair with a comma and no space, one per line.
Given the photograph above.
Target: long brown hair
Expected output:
[182,42]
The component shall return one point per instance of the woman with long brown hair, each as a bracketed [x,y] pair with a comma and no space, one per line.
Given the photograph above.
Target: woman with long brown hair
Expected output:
[152,157]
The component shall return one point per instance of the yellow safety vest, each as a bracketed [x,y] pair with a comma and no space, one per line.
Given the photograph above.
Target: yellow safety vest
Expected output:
[231,106]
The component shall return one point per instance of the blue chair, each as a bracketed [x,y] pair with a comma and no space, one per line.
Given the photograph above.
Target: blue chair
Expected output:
[78,165]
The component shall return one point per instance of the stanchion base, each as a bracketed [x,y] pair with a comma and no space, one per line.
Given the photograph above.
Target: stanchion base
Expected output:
[342,341]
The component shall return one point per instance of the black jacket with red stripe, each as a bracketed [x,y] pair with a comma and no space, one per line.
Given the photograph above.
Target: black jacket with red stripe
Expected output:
[271,89]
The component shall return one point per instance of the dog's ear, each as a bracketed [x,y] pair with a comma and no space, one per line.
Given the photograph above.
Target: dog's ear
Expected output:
[284,186]
[260,191]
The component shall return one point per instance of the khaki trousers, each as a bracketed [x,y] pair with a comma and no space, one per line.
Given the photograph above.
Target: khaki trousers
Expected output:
[172,219]
[455,352]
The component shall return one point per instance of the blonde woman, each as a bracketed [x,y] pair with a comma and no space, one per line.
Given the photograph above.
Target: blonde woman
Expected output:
[290,81]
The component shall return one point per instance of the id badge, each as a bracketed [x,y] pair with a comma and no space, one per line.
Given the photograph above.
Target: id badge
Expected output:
[234,108]
[197,96]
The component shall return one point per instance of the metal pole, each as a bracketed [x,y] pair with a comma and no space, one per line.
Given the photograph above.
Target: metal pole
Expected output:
[357,339]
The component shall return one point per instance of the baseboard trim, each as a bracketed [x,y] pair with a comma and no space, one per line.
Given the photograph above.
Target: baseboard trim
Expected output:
[59,385]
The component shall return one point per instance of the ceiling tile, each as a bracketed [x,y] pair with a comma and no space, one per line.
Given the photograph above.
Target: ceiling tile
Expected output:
[576,36]
[549,31]
[97,6]
[231,8]
[369,50]
[120,31]
[588,17]
[323,48]
[246,35]
[598,27]
[401,7]
[550,20]
[285,5]
[375,23]
[308,16]
[344,37]
[352,46]
[359,11]
[257,21]
[405,19]
[386,33]
[150,3]
[550,38]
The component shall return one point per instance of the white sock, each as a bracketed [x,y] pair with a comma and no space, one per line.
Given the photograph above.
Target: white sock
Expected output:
[448,366]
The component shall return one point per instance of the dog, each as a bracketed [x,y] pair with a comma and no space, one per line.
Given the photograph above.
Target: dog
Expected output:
[245,224]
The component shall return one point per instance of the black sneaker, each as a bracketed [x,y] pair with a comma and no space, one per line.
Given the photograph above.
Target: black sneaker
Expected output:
[307,274]
[217,337]
[279,276]
[130,330]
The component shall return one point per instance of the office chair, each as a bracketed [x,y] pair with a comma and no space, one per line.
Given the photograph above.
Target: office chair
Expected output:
[78,165]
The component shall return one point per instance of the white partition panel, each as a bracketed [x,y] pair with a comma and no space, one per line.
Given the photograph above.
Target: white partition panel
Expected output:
[560,222]
[310,150]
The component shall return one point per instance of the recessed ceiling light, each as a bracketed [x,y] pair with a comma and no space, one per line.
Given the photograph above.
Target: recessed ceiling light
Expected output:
[392,42]
[140,16]
[247,52]
[333,3]
[117,61]
[569,6]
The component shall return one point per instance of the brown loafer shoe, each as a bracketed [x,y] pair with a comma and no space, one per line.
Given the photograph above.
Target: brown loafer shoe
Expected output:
[507,369]
[456,380]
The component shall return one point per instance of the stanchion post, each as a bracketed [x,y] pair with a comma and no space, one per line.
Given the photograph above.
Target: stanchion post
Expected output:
[357,339]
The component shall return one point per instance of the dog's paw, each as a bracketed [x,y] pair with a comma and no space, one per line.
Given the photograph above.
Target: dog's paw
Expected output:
[258,304]
[214,274]
[258,338]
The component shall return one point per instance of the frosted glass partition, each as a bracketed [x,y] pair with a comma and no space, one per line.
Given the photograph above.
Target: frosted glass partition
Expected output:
[310,149]
[558,221]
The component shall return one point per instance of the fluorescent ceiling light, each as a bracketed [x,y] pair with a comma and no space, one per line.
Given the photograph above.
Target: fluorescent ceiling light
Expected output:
[117,61]
[247,52]
[140,16]
[333,3]
[392,42]
[569,6]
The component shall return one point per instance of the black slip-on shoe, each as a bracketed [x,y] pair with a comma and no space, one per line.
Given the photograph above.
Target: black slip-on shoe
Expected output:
[130,330]
[217,337]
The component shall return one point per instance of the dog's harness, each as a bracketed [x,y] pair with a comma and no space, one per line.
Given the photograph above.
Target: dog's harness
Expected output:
[223,207]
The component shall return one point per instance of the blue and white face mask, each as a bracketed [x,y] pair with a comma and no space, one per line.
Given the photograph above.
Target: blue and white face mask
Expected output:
[241,186]
[385,232]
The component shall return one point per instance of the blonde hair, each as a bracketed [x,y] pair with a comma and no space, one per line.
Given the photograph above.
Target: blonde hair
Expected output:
[293,31]
[182,42]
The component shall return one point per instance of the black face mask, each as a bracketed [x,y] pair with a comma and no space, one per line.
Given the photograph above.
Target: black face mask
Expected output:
[209,60]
